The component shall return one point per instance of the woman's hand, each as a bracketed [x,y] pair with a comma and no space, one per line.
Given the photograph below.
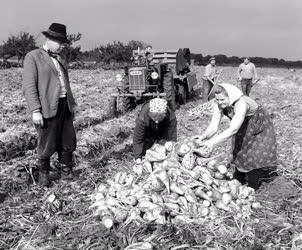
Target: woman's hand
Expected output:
[198,139]
[208,145]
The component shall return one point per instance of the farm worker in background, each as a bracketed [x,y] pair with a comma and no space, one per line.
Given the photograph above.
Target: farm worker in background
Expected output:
[246,74]
[254,145]
[156,122]
[47,91]
[210,75]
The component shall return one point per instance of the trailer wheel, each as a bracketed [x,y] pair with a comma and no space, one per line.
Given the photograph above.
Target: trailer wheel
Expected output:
[169,89]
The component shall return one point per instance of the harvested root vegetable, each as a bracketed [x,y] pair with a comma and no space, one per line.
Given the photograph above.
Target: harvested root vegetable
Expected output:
[162,175]
[212,164]
[218,176]
[188,161]
[206,203]
[222,169]
[256,205]
[201,170]
[226,198]
[138,169]
[107,222]
[224,189]
[117,177]
[146,206]
[130,200]
[122,178]
[229,175]
[149,216]
[220,205]
[120,215]
[183,150]
[176,189]
[190,196]
[202,152]
[182,219]
[216,195]
[200,193]
[148,166]
[204,211]
[171,163]
[207,179]
[156,153]
[182,201]
[172,206]
[169,146]
[102,188]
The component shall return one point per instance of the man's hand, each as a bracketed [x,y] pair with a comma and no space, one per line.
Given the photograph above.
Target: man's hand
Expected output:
[240,78]
[38,118]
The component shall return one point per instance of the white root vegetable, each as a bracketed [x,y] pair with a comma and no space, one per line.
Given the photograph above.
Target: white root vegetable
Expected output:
[107,222]
[256,205]
[102,188]
[190,196]
[146,206]
[218,176]
[226,198]
[138,169]
[176,189]
[204,211]
[148,166]
[222,169]
[169,146]
[183,150]
[212,164]
[202,152]
[200,193]
[220,205]
[188,161]
[206,203]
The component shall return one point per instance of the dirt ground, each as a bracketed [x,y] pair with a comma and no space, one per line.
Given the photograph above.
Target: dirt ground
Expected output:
[104,147]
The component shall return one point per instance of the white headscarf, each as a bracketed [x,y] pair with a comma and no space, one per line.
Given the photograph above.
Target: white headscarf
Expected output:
[233,92]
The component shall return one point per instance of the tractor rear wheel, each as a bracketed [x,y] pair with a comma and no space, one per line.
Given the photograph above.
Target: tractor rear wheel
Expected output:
[169,89]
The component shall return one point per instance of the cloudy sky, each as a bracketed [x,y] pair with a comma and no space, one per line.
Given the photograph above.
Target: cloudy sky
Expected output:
[268,28]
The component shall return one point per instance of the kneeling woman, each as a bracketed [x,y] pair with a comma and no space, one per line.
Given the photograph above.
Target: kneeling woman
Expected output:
[156,122]
[254,145]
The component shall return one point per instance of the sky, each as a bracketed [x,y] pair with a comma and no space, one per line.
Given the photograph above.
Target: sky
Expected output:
[265,28]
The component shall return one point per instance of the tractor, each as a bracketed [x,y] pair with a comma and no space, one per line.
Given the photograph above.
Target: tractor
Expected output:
[152,74]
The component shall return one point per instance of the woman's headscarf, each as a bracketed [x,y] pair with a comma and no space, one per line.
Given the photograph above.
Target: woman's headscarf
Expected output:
[233,92]
[158,105]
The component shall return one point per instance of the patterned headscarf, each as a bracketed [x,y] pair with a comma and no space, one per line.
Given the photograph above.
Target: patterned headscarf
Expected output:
[158,105]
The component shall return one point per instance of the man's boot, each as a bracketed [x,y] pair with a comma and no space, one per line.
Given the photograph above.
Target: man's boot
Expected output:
[66,164]
[44,166]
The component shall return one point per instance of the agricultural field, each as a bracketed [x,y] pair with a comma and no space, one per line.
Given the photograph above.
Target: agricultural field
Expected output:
[104,148]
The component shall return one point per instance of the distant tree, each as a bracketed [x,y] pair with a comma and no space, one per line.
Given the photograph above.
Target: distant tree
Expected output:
[18,45]
[72,53]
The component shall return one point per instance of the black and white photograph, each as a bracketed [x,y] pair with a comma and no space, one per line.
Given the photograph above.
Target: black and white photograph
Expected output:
[151,125]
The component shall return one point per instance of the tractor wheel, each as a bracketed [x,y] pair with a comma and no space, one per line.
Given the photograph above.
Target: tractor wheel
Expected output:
[182,94]
[112,112]
[169,89]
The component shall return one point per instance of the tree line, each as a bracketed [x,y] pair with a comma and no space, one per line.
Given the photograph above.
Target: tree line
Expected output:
[118,53]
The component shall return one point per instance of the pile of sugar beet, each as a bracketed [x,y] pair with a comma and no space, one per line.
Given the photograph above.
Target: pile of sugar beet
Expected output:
[175,183]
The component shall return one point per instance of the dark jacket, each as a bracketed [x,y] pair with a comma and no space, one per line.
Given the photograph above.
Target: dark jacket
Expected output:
[147,132]
[41,84]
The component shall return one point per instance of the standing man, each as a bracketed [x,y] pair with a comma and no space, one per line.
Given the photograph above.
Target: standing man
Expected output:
[246,74]
[50,101]
[210,75]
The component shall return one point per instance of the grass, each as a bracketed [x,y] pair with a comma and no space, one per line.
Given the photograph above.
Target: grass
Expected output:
[104,147]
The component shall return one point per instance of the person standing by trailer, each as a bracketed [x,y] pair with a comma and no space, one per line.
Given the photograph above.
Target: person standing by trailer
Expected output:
[156,123]
[254,145]
[209,78]
[247,75]
[51,104]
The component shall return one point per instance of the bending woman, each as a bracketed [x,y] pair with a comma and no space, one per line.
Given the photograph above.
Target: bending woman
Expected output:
[254,145]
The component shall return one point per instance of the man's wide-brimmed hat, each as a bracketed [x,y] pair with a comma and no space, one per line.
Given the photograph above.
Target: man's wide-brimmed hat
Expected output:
[56,31]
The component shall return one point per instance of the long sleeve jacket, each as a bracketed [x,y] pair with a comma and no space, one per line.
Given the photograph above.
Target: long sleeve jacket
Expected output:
[146,130]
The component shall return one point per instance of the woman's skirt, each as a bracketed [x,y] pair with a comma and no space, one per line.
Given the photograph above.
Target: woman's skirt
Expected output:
[255,143]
